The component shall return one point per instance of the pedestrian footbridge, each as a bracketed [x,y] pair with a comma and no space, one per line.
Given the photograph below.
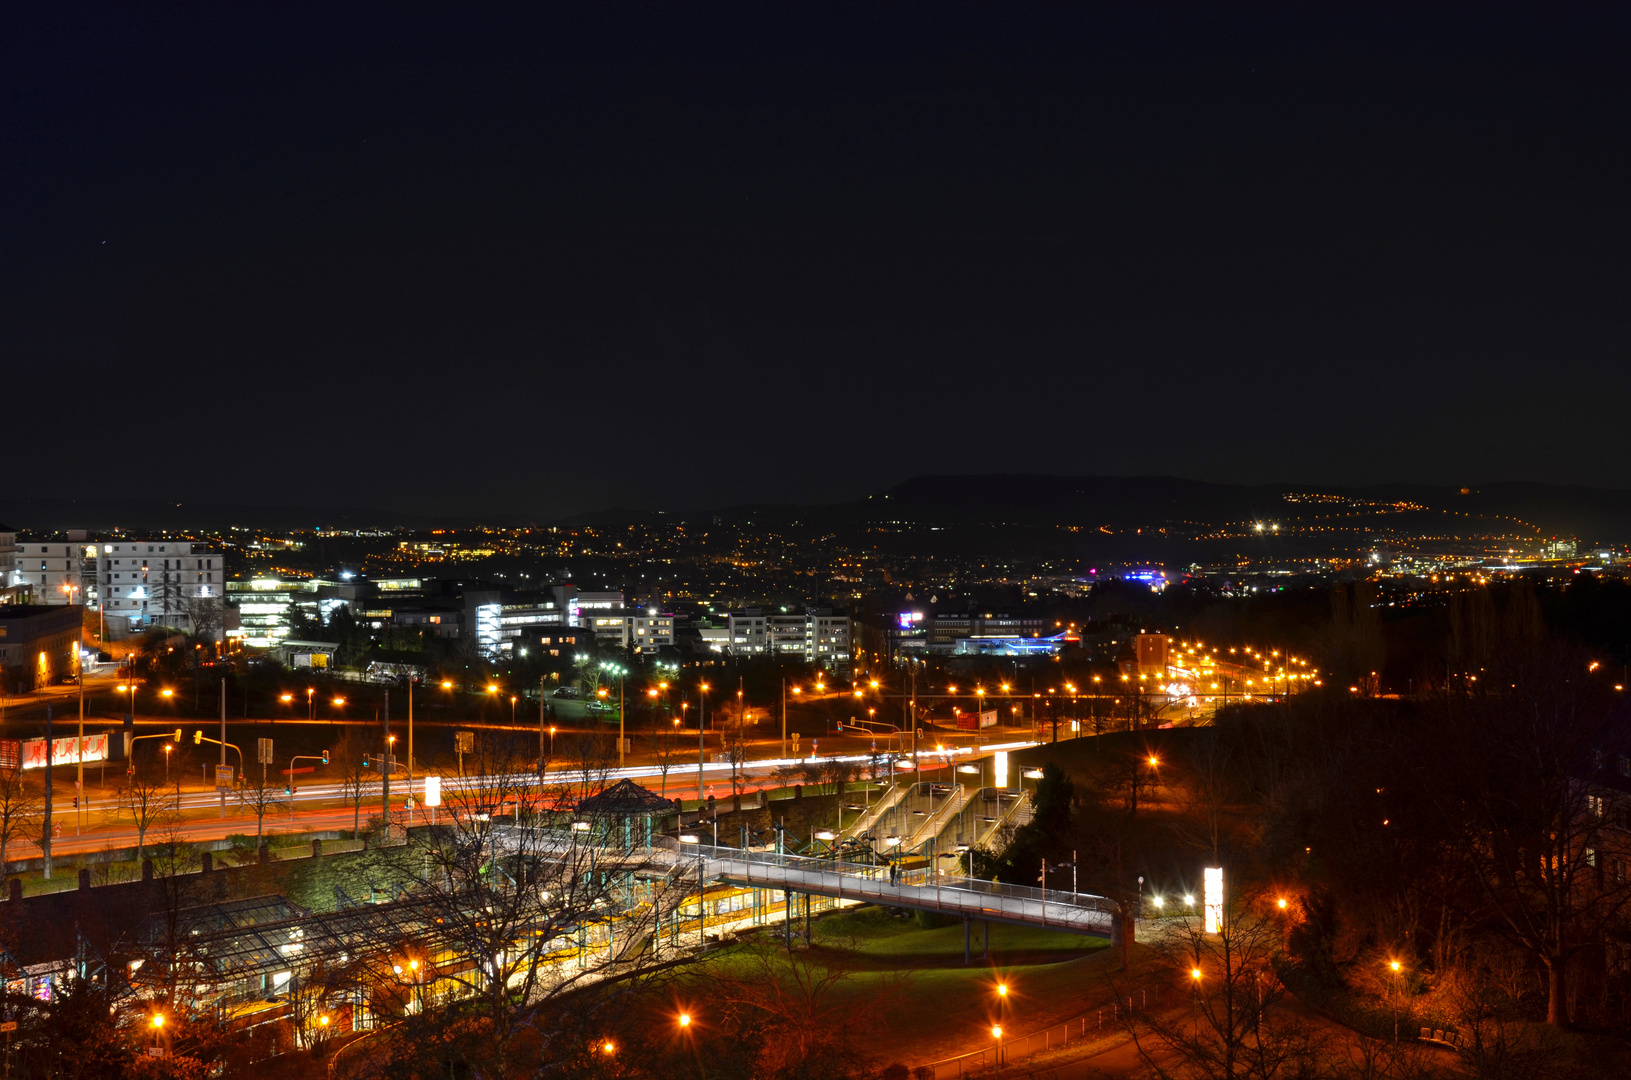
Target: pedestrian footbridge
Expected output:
[920,889]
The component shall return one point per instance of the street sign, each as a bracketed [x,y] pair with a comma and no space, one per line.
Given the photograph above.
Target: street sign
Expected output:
[223,776]
[263,751]
[7,1027]
[464,742]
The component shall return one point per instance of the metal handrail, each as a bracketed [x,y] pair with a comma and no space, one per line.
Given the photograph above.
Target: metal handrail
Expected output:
[841,873]
[1012,811]
[936,822]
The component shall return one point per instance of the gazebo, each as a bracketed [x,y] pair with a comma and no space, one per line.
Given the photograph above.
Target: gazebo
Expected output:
[625,802]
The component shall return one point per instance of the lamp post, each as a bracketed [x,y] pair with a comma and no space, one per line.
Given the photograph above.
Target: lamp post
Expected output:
[702,719]
[1395,967]
[996,1033]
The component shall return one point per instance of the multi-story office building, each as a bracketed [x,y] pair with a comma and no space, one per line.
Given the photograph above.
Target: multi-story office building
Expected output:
[817,637]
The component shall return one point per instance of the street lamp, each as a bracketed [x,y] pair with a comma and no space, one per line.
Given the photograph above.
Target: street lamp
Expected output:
[996,1033]
[1395,967]
[311,707]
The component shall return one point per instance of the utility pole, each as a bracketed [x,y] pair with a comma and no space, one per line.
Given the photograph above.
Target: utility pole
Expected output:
[410,747]
[784,716]
[702,714]
[218,786]
[543,710]
[385,771]
[621,675]
[45,834]
[913,704]
[79,755]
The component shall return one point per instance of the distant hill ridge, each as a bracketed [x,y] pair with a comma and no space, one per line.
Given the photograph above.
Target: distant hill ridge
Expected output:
[1592,514]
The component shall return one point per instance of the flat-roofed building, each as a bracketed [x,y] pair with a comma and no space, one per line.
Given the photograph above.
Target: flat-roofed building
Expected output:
[37,643]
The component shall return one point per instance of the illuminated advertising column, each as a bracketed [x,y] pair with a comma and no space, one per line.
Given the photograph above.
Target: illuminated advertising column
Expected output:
[999,769]
[1214,899]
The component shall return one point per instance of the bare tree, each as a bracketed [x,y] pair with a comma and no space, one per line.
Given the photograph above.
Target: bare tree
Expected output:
[1228,1032]
[21,808]
[356,780]
[1532,836]
[810,1011]
[205,616]
[590,761]
[149,800]
[515,916]
[260,798]
[666,755]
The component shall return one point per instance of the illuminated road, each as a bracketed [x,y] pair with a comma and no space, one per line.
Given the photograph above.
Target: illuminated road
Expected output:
[324,806]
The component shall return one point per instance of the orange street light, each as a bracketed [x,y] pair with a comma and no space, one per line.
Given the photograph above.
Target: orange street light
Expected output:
[447,684]
[1281,903]
[167,693]
[685,1020]
[1195,973]
[285,698]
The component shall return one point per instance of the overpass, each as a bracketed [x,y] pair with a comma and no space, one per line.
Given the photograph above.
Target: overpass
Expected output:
[921,890]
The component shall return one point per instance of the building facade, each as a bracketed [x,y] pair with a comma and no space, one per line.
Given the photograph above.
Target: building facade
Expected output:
[37,643]
[816,637]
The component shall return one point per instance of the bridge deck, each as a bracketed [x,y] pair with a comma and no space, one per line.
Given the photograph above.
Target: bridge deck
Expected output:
[955,896]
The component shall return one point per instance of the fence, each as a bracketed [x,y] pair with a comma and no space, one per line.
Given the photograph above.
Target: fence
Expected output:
[1087,1026]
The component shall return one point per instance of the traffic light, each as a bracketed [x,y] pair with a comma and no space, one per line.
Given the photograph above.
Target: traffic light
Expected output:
[286,790]
[365,762]
[198,738]
[178,734]
[325,757]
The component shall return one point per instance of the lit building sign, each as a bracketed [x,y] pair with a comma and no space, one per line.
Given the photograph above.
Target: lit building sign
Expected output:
[1214,899]
[433,791]
[999,769]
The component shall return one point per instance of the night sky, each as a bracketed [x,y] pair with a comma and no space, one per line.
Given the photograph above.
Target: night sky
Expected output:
[534,260]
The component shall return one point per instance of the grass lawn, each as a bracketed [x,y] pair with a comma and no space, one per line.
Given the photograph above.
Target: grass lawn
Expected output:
[942,1008]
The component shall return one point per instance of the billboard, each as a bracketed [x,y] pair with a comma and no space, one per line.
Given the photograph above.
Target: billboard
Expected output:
[63,751]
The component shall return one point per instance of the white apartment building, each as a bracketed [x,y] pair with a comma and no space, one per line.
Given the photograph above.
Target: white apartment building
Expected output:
[817,637]
[141,583]
[642,632]
[154,582]
[8,563]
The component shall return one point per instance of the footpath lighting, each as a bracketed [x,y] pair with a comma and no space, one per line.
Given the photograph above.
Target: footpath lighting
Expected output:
[685,1020]
[1281,903]
[607,1047]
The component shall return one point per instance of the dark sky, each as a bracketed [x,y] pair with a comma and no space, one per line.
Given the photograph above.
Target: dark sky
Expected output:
[529,260]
